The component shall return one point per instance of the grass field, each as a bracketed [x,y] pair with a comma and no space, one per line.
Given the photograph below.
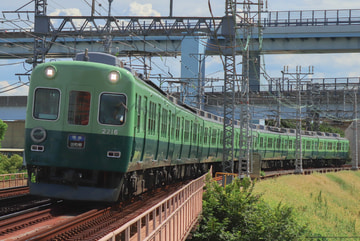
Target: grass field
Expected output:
[328,203]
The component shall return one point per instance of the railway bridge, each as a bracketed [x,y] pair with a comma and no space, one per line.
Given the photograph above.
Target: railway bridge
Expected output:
[316,31]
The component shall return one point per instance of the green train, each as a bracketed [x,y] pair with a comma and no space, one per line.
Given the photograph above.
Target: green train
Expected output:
[97,131]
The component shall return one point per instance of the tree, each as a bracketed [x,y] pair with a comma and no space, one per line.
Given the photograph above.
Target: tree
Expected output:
[10,164]
[3,128]
[234,213]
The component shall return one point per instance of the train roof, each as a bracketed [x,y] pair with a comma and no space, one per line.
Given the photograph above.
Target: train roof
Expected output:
[109,59]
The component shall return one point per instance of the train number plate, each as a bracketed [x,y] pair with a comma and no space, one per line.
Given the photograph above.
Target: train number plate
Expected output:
[76,141]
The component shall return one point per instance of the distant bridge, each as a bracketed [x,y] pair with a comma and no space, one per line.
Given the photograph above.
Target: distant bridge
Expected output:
[318,31]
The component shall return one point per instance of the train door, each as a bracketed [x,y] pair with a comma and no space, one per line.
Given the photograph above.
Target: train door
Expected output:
[177,141]
[144,114]
[158,134]
[182,130]
[78,107]
[171,135]
[140,129]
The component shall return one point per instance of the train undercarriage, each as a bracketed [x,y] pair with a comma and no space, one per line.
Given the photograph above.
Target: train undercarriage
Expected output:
[81,184]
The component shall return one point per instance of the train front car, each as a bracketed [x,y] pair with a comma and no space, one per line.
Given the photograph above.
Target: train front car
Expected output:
[78,130]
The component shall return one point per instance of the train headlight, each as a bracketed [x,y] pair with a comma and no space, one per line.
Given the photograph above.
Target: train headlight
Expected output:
[38,134]
[114,77]
[50,72]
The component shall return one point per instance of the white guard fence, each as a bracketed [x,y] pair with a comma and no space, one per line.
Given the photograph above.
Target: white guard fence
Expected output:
[170,220]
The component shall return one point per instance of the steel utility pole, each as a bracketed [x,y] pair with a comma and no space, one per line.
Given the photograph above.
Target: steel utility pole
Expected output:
[355,163]
[230,77]
[237,29]
[298,76]
[41,28]
[250,20]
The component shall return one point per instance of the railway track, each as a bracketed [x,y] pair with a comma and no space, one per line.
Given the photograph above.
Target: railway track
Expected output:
[13,200]
[14,191]
[78,221]
[308,171]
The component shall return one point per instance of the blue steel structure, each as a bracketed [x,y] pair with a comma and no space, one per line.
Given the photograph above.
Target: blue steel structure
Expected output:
[320,31]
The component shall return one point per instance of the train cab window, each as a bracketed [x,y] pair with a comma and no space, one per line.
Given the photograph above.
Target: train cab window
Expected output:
[112,109]
[79,108]
[46,104]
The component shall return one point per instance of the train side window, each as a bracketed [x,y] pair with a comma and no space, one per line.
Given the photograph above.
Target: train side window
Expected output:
[339,146]
[46,104]
[329,146]
[187,131]
[152,118]
[79,108]
[261,142]
[316,145]
[177,131]
[164,122]
[195,133]
[206,135]
[269,142]
[172,125]
[278,143]
[213,137]
[112,109]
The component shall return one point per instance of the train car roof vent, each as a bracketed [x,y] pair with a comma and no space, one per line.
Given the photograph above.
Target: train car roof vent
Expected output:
[99,58]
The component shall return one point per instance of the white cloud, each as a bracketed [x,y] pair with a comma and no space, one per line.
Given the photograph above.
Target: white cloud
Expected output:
[6,89]
[143,9]
[66,12]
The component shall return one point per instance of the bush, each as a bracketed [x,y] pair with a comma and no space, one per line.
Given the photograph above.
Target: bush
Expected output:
[10,165]
[234,213]
[3,128]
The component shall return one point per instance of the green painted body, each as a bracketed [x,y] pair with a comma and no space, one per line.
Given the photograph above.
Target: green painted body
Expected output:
[156,132]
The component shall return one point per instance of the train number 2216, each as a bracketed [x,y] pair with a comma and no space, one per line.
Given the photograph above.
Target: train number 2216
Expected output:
[109,131]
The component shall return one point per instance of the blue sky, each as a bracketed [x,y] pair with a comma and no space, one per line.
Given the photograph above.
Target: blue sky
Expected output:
[326,65]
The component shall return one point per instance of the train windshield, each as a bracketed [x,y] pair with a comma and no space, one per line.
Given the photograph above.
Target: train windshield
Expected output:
[79,108]
[112,109]
[46,104]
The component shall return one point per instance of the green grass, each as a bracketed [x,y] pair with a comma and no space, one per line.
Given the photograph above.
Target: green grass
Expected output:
[328,203]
